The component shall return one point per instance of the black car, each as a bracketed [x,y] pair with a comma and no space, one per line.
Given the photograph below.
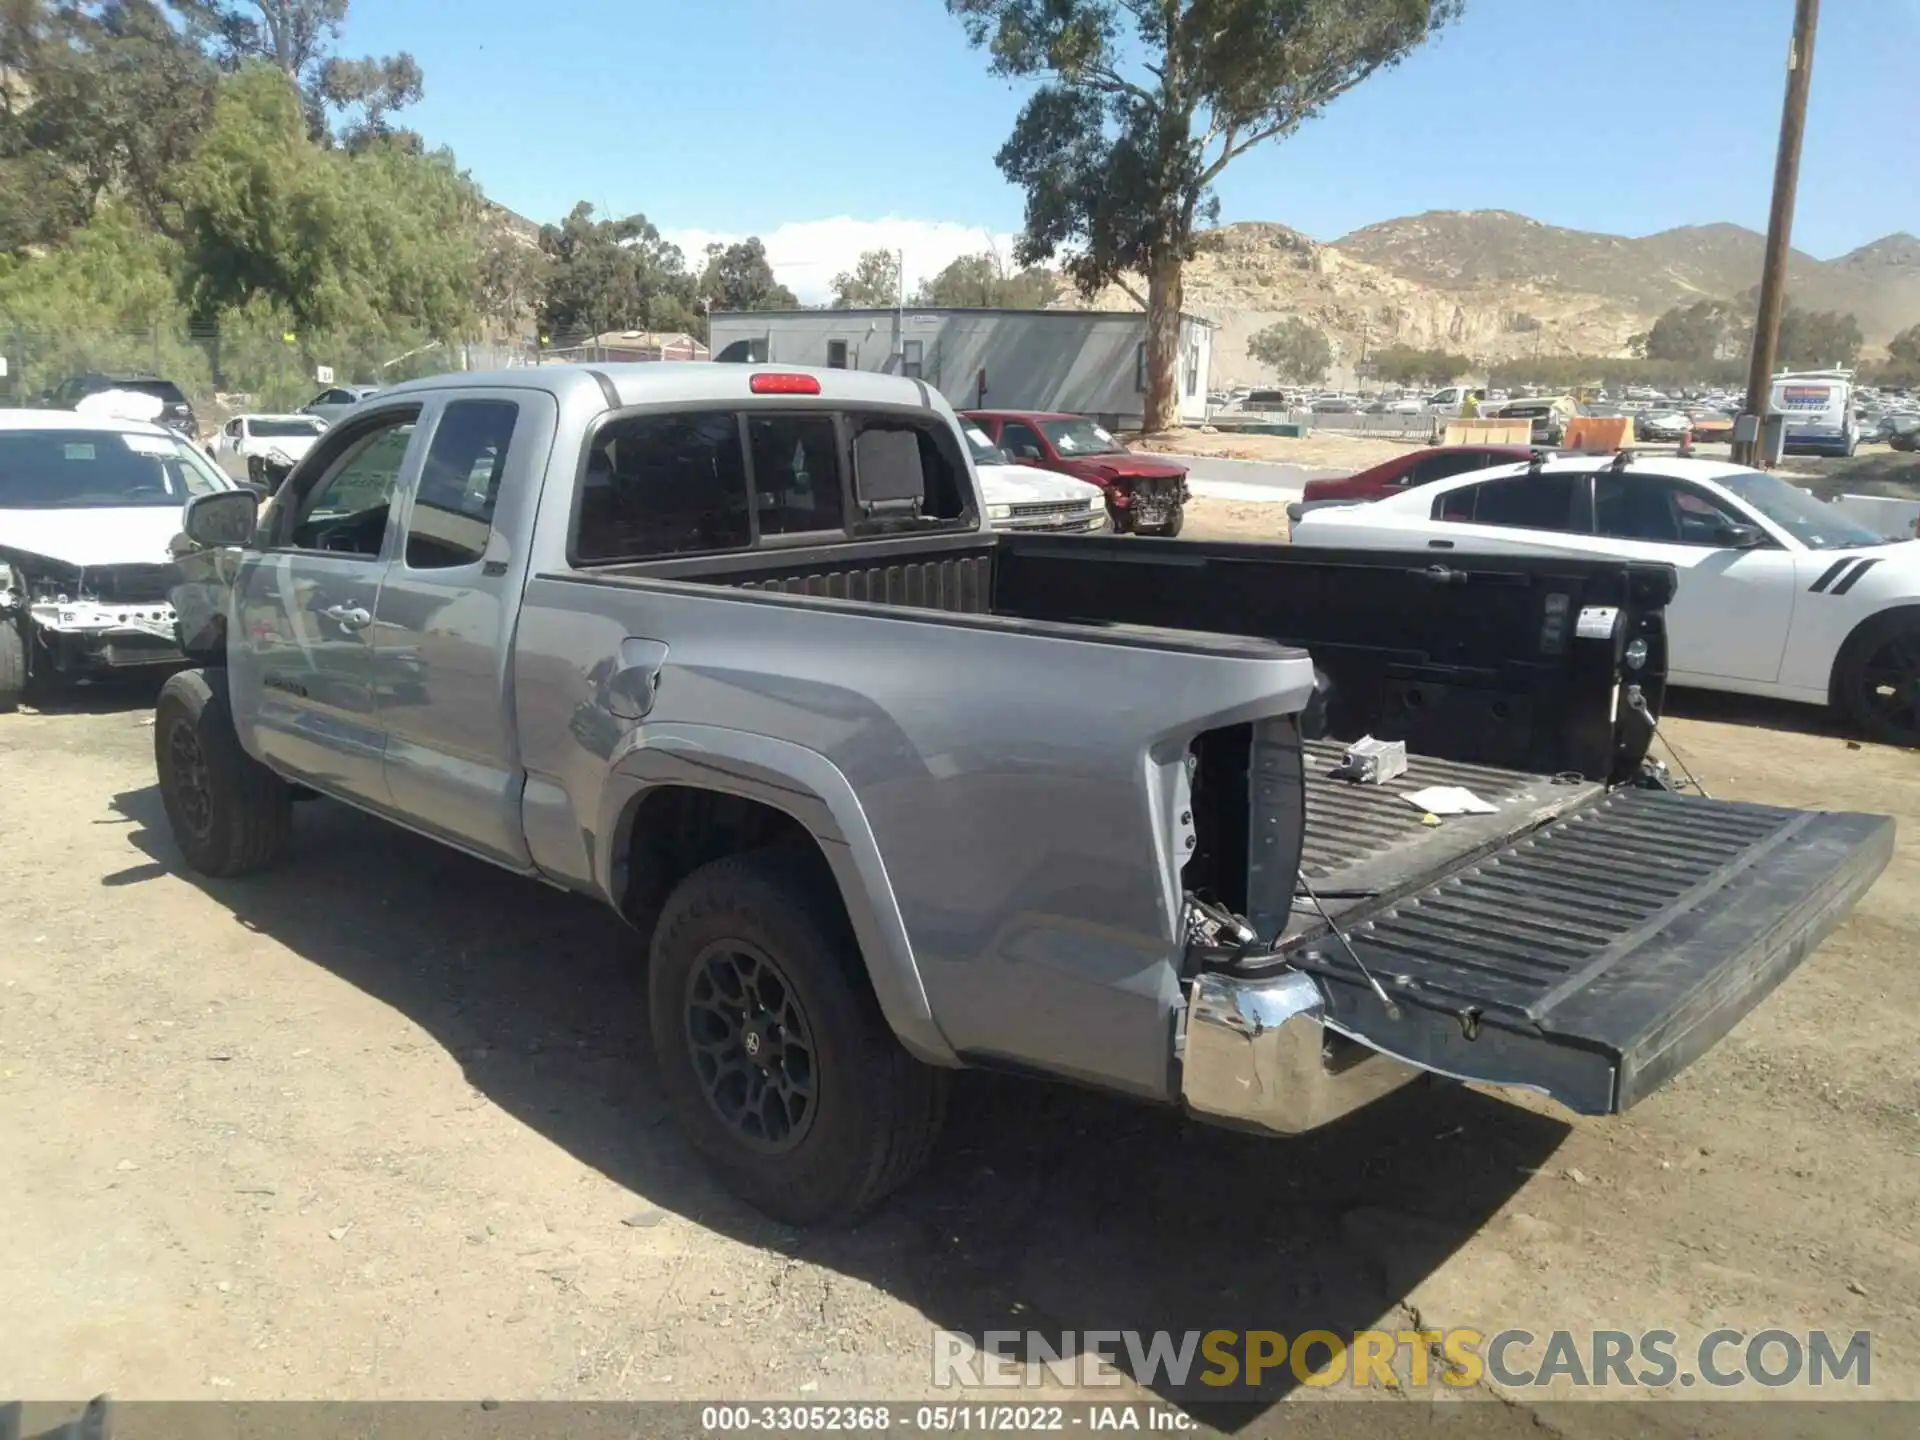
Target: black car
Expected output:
[177,414]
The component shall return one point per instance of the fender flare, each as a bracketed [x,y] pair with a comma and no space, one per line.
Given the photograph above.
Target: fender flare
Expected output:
[810,788]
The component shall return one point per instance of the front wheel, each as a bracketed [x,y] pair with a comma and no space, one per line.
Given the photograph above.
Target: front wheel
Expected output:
[230,815]
[772,1049]
[1877,683]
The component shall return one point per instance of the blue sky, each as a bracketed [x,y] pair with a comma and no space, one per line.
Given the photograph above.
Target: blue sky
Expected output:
[827,125]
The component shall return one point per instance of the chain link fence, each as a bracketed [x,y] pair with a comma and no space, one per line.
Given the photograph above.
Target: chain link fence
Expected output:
[224,371]
[231,369]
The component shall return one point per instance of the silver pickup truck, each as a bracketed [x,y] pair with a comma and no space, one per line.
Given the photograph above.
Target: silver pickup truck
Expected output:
[733,650]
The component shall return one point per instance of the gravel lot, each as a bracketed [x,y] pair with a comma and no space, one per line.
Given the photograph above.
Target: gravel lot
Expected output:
[379,1126]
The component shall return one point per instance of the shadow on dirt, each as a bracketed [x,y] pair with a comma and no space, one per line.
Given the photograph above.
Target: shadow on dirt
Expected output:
[1728,709]
[112,695]
[1045,1209]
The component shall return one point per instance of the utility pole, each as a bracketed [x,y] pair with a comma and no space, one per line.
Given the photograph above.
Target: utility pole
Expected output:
[1786,183]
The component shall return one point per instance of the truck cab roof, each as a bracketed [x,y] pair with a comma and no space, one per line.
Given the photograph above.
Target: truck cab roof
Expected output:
[702,382]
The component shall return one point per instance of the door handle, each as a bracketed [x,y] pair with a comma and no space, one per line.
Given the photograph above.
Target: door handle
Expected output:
[348,617]
[1439,544]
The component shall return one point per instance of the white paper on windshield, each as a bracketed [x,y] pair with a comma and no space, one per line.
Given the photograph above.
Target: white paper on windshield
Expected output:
[81,451]
[1449,800]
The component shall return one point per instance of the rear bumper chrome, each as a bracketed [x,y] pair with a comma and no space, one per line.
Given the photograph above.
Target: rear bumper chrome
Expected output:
[1259,1057]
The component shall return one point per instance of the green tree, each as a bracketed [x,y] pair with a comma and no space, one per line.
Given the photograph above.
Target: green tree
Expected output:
[512,278]
[611,275]
[739,277]
[1703,331]
[983,280]
[384,239]
[1818,338]
[1905,347]
[101,97]
[298,38]
[1294,349]
[1142,106]
[1408,365]
[874,281]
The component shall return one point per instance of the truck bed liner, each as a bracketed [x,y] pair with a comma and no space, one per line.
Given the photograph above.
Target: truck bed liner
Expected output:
[1365,842]
[1601,953]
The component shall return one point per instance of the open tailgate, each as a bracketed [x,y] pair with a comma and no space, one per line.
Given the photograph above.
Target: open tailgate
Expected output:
[1598,955]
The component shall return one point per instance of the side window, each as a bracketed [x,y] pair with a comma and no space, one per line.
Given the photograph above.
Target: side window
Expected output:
[1443,466]
[346,509]
[836,354]
[459,482]
[235,427]
[1650,507]
[908,473]
[659,485]
[912,357]
[1526,502]
[1018,440]
[796,473]
[1456,505]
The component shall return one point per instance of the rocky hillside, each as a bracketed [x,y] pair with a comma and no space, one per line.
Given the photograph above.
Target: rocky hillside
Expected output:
[1494,284]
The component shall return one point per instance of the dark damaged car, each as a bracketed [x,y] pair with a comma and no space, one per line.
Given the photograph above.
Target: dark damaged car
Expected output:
[88,508]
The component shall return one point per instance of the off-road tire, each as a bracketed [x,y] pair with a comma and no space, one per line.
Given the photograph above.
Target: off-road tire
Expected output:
[1885,722]
[878,1110]
[230,814]
[13,665]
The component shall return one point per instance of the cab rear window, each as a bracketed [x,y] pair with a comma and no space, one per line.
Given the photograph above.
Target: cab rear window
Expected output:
[707,482]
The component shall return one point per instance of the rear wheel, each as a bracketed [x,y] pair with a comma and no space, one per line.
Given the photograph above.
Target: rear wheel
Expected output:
[1877,684]
[230,815]
[772,1049]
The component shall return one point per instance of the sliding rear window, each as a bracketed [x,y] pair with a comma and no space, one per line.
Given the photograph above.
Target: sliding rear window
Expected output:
[711,482]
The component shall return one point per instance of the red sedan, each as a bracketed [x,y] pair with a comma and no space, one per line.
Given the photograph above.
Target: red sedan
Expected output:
[1145,495]
[1405,472]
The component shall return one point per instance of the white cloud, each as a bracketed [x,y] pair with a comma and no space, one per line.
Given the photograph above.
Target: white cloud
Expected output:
[807,254]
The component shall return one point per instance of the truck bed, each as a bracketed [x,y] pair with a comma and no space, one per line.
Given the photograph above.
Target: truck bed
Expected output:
[1366,843]
[1477,663]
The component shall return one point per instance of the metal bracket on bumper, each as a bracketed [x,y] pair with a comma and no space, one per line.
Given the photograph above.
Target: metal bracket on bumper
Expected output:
[1259,1057]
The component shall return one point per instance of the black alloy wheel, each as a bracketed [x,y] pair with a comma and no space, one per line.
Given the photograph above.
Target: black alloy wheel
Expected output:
[190,792]
[1885,687]
[752,1046]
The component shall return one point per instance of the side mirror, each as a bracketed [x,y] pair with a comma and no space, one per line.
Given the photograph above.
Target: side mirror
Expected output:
[1740,537]
[1025,452]
[225,517]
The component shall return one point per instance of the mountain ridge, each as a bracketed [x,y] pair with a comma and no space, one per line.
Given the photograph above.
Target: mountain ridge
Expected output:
[1497,285]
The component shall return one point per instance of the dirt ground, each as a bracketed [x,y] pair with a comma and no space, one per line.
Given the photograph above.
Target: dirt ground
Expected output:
[379,1125]
[1326,449]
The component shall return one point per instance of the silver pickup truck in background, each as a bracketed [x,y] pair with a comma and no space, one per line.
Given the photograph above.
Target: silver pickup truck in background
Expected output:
[733,650]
